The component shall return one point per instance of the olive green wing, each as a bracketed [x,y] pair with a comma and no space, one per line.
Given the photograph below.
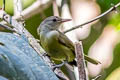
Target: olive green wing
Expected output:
[63,39]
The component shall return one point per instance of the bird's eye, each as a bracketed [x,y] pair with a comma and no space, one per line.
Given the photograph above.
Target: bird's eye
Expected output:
[54,20]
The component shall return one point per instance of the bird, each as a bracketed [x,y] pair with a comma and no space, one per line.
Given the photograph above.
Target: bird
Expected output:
[55,43]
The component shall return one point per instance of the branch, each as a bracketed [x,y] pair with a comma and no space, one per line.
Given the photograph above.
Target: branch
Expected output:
[17,7]
[6,27]
[35,8]
[94,19]
[97,77]
[80,61]
[17,11]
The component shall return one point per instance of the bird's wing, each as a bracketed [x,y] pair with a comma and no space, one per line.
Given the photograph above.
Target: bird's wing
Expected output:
[63,39]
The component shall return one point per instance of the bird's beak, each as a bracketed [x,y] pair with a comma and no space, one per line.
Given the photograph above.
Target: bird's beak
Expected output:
[65,20]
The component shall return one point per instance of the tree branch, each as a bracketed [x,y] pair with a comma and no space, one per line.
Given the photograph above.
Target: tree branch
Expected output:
[17,7]
[17,11]
[94,19]
[80,61]
[7,27]
[35,8]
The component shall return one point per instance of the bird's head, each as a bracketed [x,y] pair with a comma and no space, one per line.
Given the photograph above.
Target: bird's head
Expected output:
[53,22]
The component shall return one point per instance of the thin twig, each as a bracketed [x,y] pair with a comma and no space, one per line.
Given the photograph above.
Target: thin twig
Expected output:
[17,7]
[97,77]
[94,19]
[80,61]
[35,8]
[7,27]
[17,11]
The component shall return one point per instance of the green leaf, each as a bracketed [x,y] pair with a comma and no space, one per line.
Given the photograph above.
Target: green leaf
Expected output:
[9,5]
[115,75]
[106,4]
[115,21]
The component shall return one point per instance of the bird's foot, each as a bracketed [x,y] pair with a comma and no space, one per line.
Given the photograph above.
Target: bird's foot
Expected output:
[59,65]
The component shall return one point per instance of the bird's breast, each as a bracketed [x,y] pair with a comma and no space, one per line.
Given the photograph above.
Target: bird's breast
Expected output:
[55,49]
[49,39]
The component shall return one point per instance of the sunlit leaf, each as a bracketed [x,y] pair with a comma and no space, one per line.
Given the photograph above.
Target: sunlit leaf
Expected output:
[115,75]
[115,21]
[9,4]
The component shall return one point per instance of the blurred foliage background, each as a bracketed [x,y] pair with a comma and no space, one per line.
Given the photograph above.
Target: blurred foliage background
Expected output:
[101,39]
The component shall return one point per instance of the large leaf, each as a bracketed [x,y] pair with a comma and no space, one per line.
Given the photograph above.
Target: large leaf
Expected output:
[19,61]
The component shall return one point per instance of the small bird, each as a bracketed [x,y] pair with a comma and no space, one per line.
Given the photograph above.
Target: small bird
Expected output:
[55,43]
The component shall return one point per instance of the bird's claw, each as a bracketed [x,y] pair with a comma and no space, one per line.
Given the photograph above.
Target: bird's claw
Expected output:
[59,65]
